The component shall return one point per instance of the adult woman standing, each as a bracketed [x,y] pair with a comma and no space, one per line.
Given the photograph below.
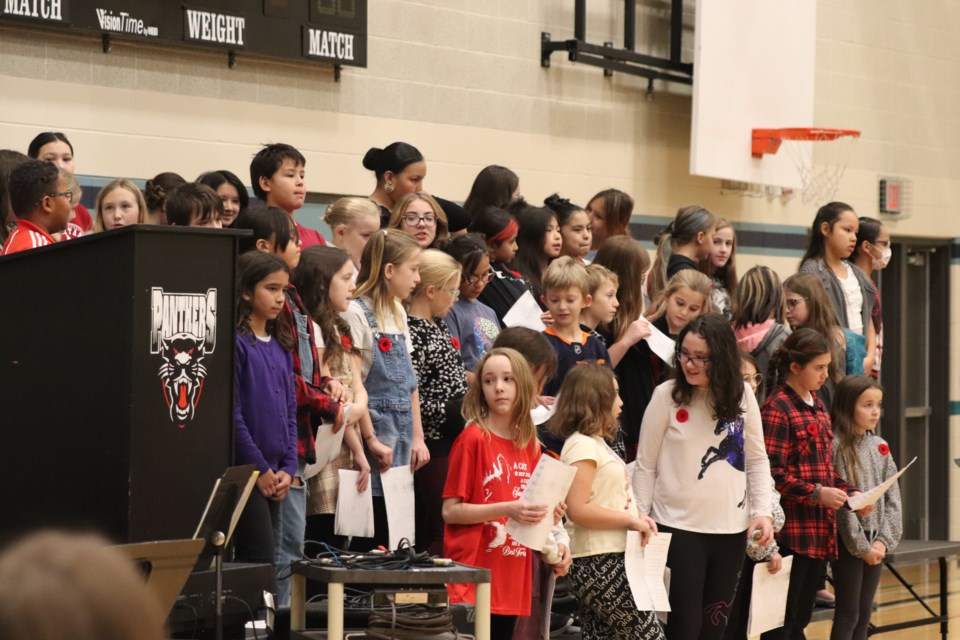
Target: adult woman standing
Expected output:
[400,169]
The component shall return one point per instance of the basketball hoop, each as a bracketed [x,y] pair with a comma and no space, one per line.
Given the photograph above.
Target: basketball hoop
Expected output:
[820,181]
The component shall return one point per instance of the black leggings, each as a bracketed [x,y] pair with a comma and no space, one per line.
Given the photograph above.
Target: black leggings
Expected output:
[855,583]
[253,539]
[740,610]
[502,626]
[801,596]
[607,609]
[704,569]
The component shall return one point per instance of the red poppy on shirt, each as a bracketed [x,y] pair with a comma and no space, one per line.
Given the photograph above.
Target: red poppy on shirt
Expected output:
[384,344]
[812,429]
[455,343]
[346,343]
[883,449]
[682,415]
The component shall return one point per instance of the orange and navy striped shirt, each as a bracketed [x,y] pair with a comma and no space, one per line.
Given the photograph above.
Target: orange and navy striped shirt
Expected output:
[26,236]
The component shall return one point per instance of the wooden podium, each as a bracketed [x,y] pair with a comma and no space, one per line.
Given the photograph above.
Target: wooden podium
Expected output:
[116,381]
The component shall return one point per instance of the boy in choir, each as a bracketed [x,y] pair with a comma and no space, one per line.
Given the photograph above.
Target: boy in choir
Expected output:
[277,174]
[40,199]
[194,205]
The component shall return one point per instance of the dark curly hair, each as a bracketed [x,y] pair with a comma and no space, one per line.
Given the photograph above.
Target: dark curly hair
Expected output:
[726,383]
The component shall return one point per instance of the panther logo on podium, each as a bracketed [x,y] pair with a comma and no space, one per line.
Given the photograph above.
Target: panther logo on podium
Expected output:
[183,332]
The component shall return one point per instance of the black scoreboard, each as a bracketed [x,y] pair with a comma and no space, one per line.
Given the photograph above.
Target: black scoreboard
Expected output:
[332,31]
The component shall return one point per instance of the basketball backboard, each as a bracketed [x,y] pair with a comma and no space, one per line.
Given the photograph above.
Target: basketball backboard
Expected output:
[753,69]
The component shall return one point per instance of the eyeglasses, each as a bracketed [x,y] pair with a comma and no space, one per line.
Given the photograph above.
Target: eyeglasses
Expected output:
[755,378]
[68,194]
[413,220]
[474,279]
[793,302]
[686,358]
[454,292]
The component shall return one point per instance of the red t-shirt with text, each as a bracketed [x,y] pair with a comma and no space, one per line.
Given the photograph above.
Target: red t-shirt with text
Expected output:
[485,468]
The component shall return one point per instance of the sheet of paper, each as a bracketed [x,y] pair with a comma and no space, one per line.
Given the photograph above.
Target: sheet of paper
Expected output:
[768,602]
[399,497]
[661,344]
[328,442]
[525,312]
[869,497]
[548,485]
[645,571]
[354,509]
[541,413]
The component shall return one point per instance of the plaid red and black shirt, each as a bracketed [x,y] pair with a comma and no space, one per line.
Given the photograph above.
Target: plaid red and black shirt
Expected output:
[799,441]
[313,405]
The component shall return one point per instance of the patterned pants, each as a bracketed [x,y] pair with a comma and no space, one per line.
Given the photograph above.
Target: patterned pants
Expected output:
[607,609]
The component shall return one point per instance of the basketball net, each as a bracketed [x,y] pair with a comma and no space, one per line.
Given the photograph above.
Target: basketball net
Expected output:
[821,157]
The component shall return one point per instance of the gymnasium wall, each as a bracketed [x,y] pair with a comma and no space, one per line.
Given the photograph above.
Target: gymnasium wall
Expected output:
[462,80]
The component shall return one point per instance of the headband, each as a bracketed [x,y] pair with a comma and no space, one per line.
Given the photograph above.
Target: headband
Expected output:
[507,232]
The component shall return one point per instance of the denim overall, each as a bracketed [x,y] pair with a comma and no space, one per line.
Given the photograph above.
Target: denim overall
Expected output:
[389,384]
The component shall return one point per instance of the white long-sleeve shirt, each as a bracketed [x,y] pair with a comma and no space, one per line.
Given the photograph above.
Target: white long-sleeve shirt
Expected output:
[694,473]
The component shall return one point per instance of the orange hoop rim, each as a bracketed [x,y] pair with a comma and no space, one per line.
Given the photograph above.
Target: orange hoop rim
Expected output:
[768,140]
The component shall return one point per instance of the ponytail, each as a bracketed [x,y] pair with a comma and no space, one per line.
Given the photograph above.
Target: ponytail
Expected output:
[682,230]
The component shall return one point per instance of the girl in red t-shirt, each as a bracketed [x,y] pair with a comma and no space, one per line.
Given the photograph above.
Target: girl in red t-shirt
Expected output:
[490,463]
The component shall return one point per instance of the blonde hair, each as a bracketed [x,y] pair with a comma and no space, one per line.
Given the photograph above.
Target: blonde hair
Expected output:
[689,278]
[70,181]
[475,409]
[388,246]
[436,269]
[346,211]
[403,204]
[564,273]
[119,183]
[597,274]
[585,403]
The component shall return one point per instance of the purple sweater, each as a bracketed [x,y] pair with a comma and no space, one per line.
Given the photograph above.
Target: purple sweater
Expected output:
[265,406]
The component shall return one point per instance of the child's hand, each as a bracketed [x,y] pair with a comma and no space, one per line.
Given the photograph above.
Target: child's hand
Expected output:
[562,567]
[364,478]
[645,526]
[336,390]
[284,481]
[559,512]
[637,331]
[873,557]
[525,512]
[381,452]
[775,563]
[765,527]
[865,511]
[545,401]
[880,549]
[546,318]
[419,454]
[267,483]
[832,498]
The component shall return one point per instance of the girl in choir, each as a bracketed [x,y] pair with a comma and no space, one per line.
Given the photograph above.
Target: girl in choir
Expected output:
[873,254]
[155,194]
[862,458]
[609,212]
[702,474]
[400,169]
[231,190]
[807,305]
[799,440]
[574,226]
[538,242]
[494,186]
[352,222]
[686,241]
[490,464]
[471,322]
[325,280]
[389,273]
[265,424]
[758,316]
[721,266]
[119,204]
[421,216]
[500,231]
[600,507]
[833,238]
[443,385]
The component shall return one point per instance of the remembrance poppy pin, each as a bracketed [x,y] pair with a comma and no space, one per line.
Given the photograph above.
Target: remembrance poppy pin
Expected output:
[346,343]
[883,449]
[384,344]
[455,343]
[682,415]
[812,429]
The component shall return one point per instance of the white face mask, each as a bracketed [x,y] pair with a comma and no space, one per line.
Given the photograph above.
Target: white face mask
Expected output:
[884,259]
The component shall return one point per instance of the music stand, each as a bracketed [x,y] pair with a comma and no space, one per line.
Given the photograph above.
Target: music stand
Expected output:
[165,566]
[226,503]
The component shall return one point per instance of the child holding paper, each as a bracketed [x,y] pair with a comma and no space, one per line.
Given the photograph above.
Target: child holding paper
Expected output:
[600,507]
[862,458]
[490,464]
